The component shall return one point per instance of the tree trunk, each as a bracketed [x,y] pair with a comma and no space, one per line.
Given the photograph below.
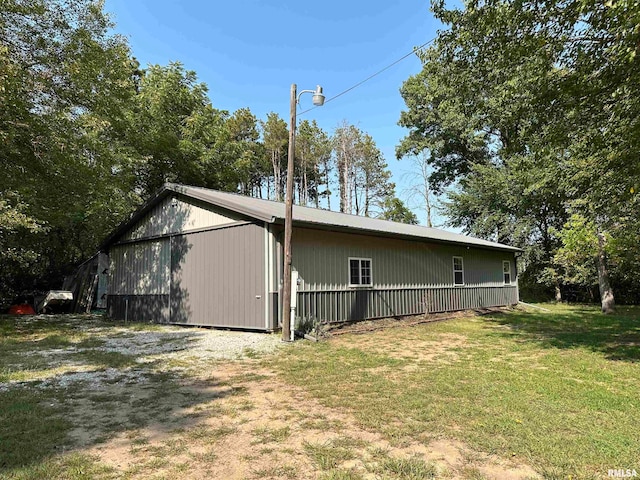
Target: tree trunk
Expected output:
[345,190]
[427,191]
[428,206]
[606,292]
[304,200]
[275,162]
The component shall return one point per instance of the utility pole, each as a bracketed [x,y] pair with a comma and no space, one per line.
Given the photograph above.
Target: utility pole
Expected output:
[318,100]
[288,221]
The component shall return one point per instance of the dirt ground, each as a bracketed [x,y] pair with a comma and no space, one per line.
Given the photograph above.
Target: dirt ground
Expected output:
[261,432]
[165,403]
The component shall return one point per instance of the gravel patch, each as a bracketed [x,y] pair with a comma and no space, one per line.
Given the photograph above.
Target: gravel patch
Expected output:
[159,345]
[202,344]
[94,380]
[215,344]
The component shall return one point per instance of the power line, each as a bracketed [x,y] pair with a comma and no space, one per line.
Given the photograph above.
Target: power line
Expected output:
[372,76]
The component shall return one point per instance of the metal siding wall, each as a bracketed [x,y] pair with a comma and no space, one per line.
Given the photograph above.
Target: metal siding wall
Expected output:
[165,219]
[217,276]
[320,258]
[343,305]
[138,287]
[408,277]
[139,268]
[140,308]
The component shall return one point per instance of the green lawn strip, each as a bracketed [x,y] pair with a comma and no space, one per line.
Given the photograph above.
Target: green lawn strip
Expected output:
[73,466]
[524,387]
[32,429]
[328,455]
[405,469]
[340,474]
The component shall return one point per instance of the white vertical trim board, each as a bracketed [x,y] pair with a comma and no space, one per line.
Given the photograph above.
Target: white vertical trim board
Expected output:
[267,272]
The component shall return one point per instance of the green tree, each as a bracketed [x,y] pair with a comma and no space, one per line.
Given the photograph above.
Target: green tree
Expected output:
[65,81]
[392,208]
[363,177]
[15,257]
[177,134]
[248,157]
[548,86]
[372,185]
[275,137]
[313,152]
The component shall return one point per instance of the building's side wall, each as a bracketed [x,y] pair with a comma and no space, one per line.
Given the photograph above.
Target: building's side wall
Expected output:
[174,215]
[409,277]
[139,281]
[215,277]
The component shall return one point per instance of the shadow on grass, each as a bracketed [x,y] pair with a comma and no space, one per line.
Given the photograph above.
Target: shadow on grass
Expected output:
[36,425]
[616,336]
[101,395]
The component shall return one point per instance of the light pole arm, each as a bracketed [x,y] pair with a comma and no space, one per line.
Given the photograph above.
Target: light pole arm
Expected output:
[301,92]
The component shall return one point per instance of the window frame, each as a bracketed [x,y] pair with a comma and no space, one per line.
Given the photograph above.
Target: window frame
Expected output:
[508,263]
[453,264]
[360,285]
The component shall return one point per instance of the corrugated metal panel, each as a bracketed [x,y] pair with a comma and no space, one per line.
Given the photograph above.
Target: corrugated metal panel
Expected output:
[218,278]
[409,277]
[343,305]
[140,268]
[173,215]
[140,308]
[267,210]
[321,259]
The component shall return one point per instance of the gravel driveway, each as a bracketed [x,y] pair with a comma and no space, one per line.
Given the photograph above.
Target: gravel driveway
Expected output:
[67,349]
[200,343]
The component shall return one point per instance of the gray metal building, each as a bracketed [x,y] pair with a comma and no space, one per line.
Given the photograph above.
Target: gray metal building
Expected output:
[202,257]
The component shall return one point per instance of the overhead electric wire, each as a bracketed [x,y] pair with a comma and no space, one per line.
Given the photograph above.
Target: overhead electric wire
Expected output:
[353,87]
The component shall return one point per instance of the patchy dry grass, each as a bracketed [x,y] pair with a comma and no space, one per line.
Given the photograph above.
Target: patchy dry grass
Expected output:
[556,390]
[473,398]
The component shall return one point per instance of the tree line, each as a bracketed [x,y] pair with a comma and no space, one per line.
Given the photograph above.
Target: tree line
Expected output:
[525,119]
[87,134]
[528,113]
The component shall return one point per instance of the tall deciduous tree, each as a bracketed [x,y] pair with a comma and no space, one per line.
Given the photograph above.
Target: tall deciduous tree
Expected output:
[544,86]
[65,81]
[177,134]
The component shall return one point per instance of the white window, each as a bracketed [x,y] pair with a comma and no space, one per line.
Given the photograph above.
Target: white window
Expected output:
[506,270]
[359,272]
[458,271]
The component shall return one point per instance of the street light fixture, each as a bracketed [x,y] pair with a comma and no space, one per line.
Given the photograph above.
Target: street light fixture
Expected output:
[318,101]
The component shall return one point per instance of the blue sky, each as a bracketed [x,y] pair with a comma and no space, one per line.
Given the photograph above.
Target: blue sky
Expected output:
[249,53]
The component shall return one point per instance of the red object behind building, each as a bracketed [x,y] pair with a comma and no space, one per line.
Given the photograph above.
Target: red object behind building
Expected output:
[22,309]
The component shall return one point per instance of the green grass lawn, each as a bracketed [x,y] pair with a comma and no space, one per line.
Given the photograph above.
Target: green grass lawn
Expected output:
[557,390]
